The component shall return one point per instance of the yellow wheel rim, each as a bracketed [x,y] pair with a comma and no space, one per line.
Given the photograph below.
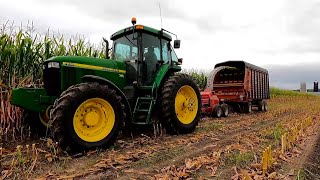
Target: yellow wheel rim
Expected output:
[44,116]
[186,104]
[94,119]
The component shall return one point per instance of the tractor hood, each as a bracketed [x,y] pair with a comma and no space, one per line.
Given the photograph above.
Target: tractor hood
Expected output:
[89,63]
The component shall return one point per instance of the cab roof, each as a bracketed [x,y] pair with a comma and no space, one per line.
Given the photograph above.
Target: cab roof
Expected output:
[141,28]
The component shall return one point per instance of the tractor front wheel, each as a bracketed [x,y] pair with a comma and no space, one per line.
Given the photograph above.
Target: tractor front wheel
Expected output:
[85,116]
[181,104]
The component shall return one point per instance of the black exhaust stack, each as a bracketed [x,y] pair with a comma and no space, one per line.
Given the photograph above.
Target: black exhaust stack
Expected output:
[315,86]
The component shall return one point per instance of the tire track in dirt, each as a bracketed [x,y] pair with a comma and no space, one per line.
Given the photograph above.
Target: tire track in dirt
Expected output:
[207,145]
[312,163]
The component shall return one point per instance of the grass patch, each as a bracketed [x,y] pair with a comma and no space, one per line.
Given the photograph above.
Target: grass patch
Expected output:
[275,92]
[209,127]
[239,159]
[277,132]
[274,134]
[301,175]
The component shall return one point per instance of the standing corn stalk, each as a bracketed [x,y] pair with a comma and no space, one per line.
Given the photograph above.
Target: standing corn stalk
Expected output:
[21,55]
[199,76]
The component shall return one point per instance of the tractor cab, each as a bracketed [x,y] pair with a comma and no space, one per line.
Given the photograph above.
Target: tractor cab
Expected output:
[148,56]
[144,50]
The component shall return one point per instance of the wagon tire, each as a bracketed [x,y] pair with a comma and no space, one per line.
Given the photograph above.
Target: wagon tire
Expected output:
[225,110]
[265,105]
[260,106]
[217,111]
[248,107]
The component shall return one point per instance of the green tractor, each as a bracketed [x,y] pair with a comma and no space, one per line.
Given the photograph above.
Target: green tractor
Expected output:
[86,101]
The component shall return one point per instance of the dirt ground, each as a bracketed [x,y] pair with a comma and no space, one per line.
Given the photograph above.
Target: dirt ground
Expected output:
[226,148]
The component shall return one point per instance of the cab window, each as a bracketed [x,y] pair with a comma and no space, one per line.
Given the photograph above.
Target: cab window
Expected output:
[174,57]
[165,51]
[125,48]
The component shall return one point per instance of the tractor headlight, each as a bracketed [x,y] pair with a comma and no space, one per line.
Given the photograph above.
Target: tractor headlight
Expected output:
[53,65]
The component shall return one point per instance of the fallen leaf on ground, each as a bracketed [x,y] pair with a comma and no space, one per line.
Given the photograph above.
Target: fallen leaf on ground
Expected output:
[256,166]
[272,175]
[284,158]
[136,172]
[245,174]
[291,172]
[213,171]
[49,157]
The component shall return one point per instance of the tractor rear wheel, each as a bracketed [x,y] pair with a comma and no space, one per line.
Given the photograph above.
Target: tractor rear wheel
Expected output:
[180,104]
[217,111]
[87,115]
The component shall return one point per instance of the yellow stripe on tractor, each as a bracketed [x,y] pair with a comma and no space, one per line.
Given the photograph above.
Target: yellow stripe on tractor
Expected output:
[86,66]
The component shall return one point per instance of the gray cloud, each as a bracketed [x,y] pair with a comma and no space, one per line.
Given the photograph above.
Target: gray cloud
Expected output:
[210,24]
[303,18]
[121,10]
[290,77]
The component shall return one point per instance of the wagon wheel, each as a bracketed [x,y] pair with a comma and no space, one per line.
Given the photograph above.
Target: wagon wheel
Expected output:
[217,111]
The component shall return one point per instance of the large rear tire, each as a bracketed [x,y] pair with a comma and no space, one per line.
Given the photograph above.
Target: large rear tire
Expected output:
[180,103]
[86,116]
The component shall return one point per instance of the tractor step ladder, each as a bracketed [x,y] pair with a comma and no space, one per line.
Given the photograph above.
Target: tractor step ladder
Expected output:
[143,107]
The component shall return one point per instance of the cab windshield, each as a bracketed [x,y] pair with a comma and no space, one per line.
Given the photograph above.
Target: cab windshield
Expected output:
[125,48]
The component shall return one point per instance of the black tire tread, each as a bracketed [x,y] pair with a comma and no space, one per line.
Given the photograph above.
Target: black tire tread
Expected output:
[215,109]
[225,108]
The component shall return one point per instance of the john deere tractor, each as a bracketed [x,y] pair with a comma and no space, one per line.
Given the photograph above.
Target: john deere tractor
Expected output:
[86,101]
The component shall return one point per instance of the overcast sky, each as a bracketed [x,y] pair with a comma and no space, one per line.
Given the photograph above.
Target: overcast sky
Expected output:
[280,35]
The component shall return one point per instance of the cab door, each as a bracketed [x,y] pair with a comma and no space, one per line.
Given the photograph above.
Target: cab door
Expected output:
[155,53]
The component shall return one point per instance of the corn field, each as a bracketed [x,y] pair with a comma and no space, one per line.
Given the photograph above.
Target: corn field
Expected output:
[22,52]
[199,76]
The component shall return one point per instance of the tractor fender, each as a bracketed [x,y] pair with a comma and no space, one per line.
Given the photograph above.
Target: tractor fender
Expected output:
[101,80]
[164,72]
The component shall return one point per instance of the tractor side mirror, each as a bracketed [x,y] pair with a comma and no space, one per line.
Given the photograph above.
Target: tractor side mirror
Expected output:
[107,47]
[176,44]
